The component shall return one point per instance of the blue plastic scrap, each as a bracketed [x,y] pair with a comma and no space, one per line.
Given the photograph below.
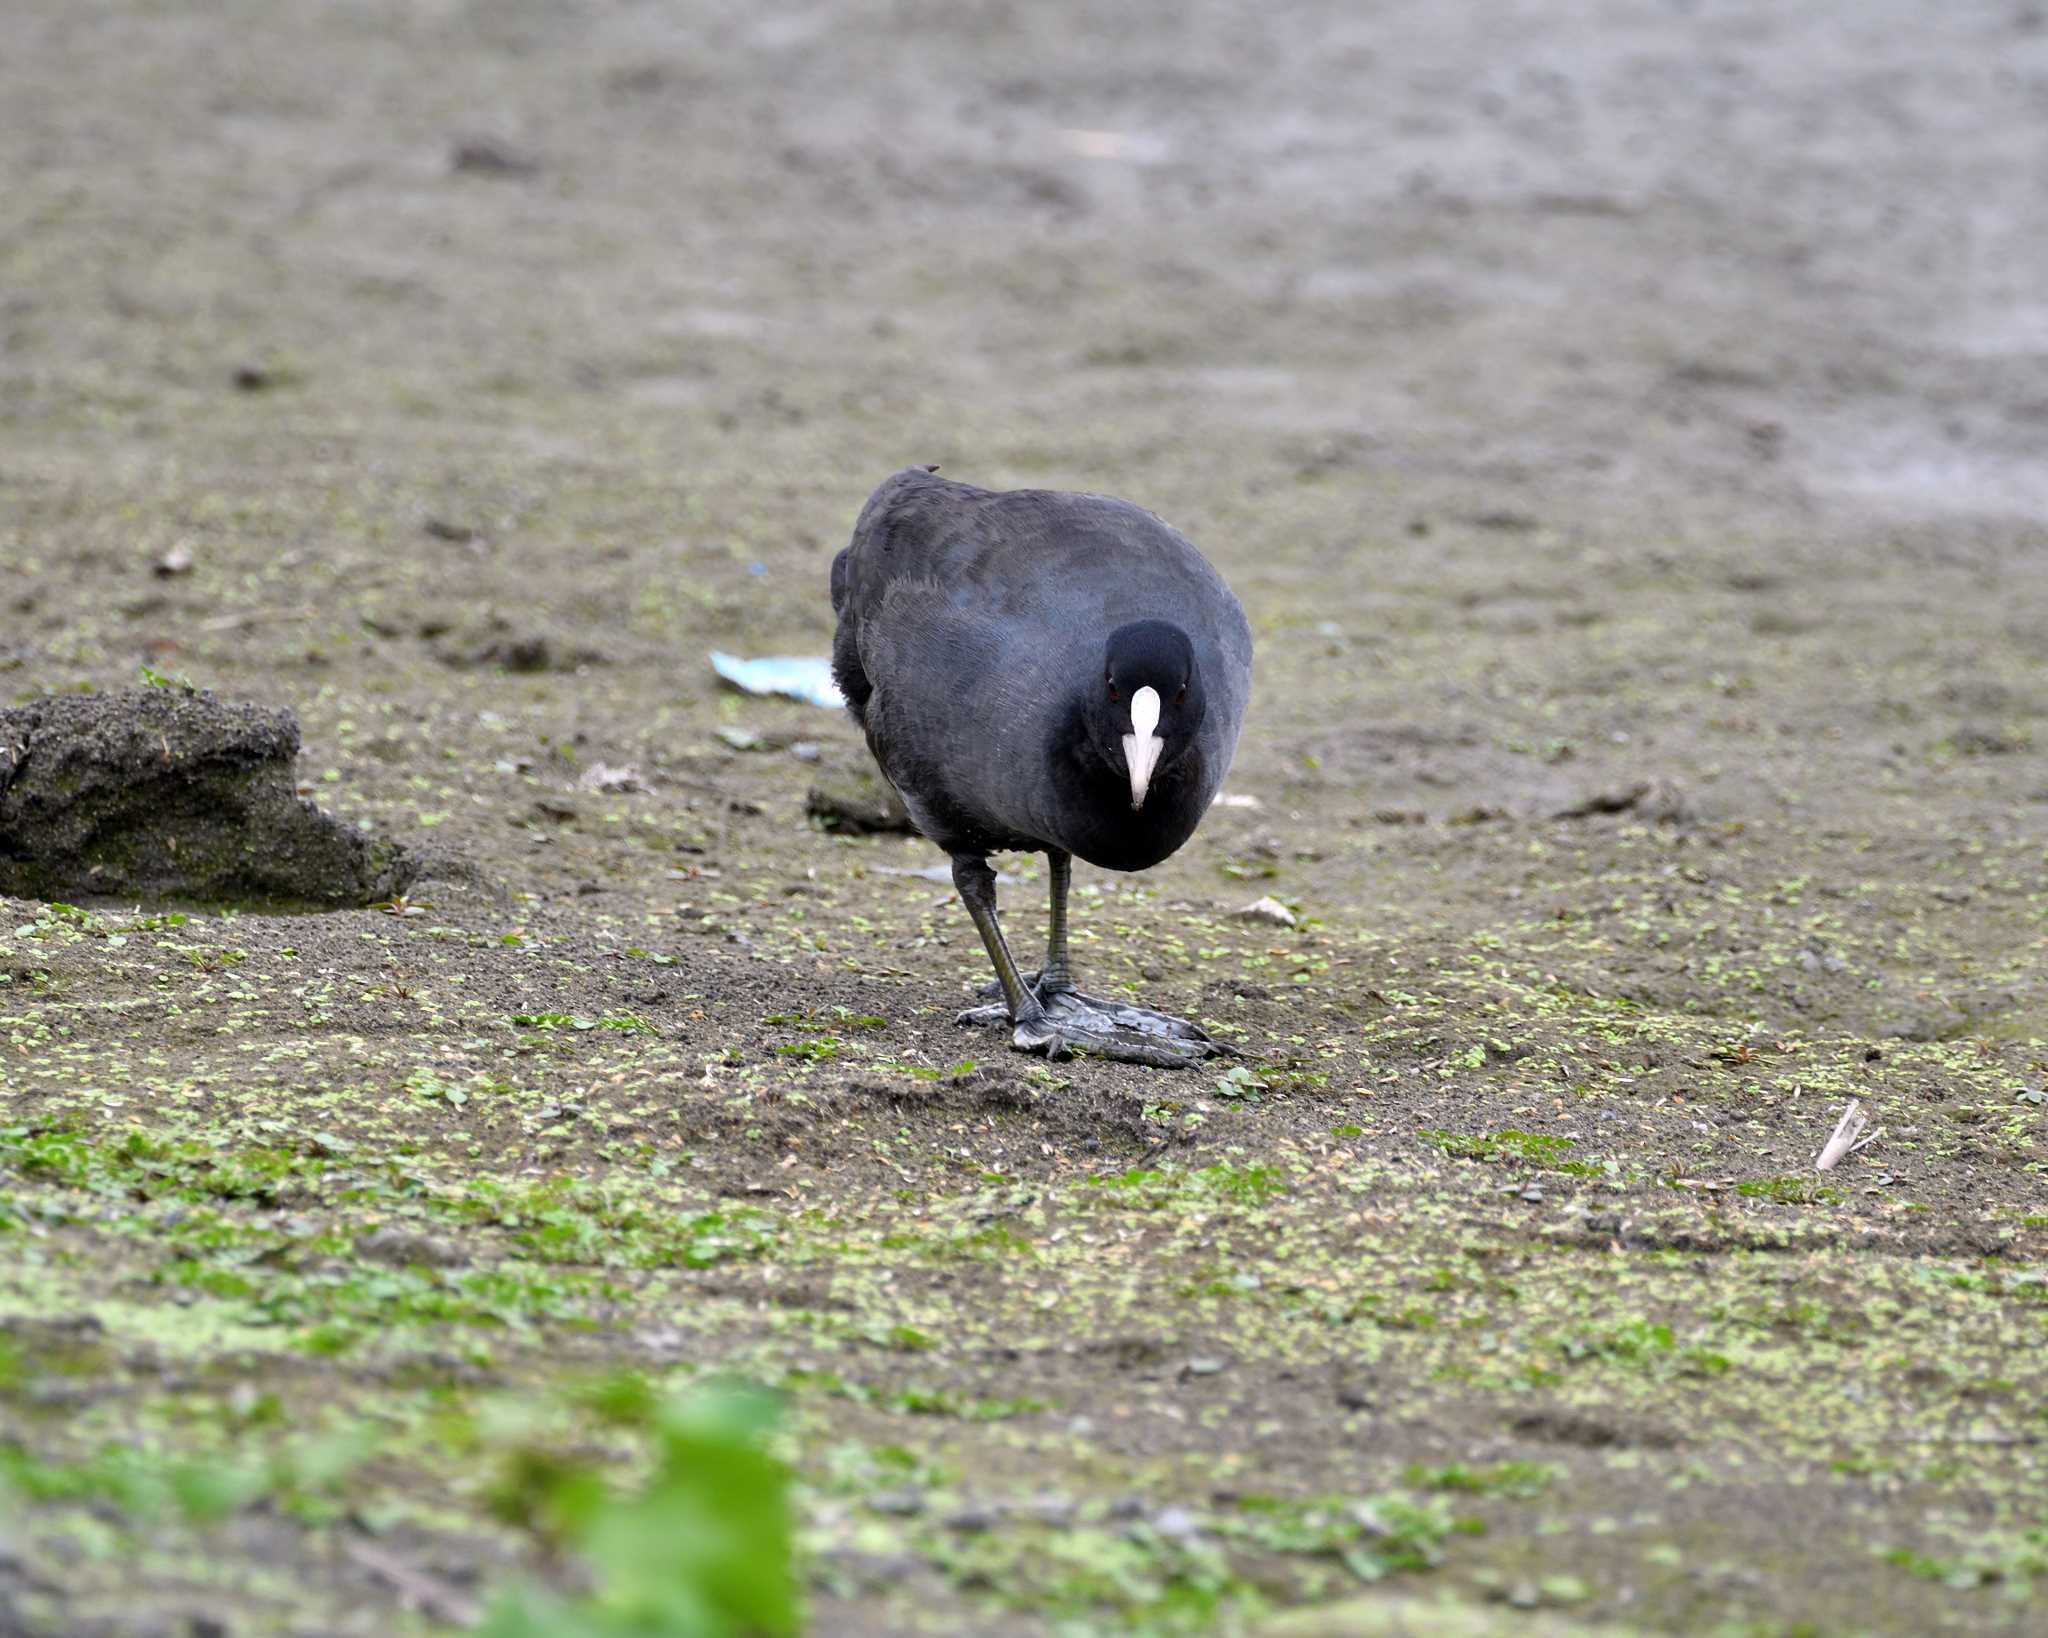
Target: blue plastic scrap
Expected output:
[794,676]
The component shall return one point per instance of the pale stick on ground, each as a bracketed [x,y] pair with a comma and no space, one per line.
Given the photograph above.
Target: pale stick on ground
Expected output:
[1847,1138]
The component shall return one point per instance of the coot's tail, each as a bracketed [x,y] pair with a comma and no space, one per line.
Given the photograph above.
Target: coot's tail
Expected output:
[877,516]
[839,580]
[846,667]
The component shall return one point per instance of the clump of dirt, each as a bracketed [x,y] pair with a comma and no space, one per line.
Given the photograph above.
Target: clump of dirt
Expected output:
[856,801]
[169,793]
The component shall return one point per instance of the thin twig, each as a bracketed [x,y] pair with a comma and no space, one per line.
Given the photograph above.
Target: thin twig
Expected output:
[428,1594]
[253,617]
[1963,1438]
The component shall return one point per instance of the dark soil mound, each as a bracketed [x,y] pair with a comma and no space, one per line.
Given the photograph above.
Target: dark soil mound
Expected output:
[858,803]
[165,793]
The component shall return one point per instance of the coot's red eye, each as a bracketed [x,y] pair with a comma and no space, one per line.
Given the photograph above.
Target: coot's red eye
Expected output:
[1113,694]
[1182,697]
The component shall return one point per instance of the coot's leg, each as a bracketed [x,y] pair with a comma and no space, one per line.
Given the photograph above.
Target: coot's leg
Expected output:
[1020,1008]
[1047,1013]
[1054,976]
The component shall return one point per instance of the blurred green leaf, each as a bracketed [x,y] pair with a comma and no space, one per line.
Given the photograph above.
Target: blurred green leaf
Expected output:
[702,1550]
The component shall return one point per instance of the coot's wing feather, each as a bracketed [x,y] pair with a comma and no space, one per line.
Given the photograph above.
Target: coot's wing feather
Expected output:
[893,537]
[951,686]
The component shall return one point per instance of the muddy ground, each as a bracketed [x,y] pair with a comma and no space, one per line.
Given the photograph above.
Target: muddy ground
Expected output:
[1623,424]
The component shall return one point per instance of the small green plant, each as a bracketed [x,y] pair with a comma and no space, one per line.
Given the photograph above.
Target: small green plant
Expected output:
[425,1084]
[1145,1189]
[842,1018]
[816,1050]
[1531,1148]
[1790,1191]
[702,1550]
[69,924]
[1241,868]
[552,1020]
[1373,1538]
[625,1023]
[2014,1559]
[1519,1480]
[152,678]
[299,1477]
[1633,1342]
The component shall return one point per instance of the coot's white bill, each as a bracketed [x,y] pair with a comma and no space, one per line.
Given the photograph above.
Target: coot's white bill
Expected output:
[1142,744]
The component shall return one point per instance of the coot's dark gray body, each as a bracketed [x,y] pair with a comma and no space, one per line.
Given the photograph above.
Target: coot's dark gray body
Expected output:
[1008,656]
[971,629]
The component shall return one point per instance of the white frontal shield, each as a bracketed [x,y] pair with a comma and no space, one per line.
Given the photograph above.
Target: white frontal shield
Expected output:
[1142,744]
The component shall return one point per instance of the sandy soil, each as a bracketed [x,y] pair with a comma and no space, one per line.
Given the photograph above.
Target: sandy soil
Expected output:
[1623,424]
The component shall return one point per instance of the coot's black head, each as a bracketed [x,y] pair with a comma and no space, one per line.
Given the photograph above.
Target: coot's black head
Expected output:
[1145,712]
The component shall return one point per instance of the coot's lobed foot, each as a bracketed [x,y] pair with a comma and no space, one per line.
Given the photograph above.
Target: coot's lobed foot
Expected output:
[1070,1021]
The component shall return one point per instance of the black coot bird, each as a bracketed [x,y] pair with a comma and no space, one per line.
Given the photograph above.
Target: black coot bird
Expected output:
[1050,673]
